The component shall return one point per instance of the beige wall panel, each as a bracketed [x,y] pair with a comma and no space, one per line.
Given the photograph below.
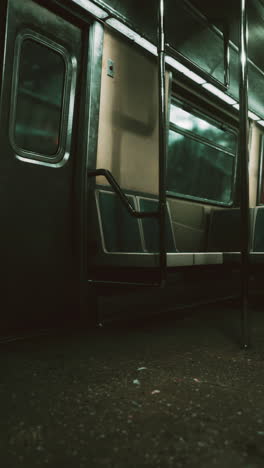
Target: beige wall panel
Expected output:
[189,224]
[189,239]
[254,157]
[187,213]
[128,121]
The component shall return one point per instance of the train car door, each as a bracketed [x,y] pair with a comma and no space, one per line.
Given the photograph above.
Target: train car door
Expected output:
[39,117]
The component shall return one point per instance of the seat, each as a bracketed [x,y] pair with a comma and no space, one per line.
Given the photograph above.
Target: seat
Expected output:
[151,226]
[129,242]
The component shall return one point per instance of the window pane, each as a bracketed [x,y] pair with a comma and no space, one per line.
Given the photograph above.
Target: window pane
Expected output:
[203,128]
[197,170]
[39,98]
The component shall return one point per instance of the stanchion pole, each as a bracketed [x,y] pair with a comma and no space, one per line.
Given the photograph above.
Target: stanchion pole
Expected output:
[244,178]
[162,141]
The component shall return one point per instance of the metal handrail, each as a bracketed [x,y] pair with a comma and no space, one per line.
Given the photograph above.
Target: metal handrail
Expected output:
[136,214]
[123,198]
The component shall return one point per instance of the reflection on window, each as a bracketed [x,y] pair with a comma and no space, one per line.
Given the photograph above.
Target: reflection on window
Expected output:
[203,128]
[39,98]
[201,158]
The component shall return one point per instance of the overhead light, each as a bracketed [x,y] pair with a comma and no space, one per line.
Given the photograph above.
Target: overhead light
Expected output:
[184,70]
[92,8]
[132,35]
[214,90]
[261,122]
[147,45]
[250,114]
[123,29]
[253,116]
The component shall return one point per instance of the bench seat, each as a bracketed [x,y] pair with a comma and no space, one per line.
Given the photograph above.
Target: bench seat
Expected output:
[127,242]
[255,258]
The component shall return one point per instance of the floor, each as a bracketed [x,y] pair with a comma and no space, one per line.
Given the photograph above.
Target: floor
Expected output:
[171,391]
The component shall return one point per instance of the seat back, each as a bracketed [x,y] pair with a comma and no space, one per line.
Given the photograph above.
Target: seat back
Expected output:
[151,226]
[224,230]
[258,230]
[120,232]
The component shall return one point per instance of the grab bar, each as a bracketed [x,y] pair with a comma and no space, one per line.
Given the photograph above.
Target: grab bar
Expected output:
[117,189]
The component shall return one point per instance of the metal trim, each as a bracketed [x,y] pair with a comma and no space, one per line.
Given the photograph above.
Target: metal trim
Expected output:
[141,260]
[88,145]
[194,67]
[3,40]
[204,201]
[209,115]
[199,139]
[63,153]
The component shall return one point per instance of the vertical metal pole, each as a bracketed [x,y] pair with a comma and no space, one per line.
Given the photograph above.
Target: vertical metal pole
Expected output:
[244,182]
[162,142]
[227,53]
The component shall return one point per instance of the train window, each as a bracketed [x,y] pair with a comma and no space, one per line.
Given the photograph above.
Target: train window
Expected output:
[201,157]
[39,98]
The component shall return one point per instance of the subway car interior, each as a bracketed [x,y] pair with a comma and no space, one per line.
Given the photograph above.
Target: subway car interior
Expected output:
[131,165]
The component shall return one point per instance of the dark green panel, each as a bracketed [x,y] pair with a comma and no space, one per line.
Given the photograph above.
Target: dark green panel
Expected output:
[151,227]
[120,229]
[185,31]
[224,232]
[259,231]
[189,33]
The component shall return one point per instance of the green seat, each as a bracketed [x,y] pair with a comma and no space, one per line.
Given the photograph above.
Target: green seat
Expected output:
[151,227]
[120,230]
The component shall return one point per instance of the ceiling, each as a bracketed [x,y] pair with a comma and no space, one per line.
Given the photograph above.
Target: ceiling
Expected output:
[228,10]
[190,33]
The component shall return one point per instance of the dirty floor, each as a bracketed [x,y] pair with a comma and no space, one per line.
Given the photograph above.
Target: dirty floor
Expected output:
[174,391]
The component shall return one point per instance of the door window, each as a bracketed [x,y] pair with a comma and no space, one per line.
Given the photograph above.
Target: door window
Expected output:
[40,99]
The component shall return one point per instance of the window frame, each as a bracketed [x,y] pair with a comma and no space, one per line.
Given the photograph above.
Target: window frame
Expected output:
[68,97]
[198,112]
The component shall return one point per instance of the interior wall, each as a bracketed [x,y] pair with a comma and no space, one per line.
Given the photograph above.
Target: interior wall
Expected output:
[254,160]
[128,137]
[128,119]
